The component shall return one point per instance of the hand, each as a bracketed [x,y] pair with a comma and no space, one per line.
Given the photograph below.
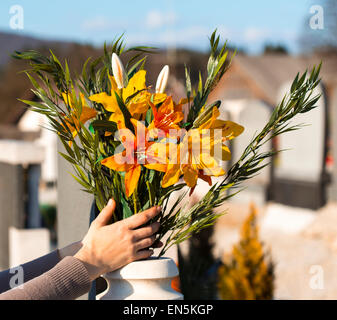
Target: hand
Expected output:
[106,247]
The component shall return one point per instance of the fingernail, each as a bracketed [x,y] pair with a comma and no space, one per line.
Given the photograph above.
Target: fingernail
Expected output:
[110,203]
[158,208]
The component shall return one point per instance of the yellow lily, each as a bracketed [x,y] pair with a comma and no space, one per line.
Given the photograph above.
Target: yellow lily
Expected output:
[197,151]
[74,119]
[135,97]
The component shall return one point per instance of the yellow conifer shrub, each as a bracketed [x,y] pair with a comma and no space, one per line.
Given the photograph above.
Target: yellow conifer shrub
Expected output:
[249,273]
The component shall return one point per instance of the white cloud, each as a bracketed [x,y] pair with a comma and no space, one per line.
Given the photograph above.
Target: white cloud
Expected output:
[157,19]
[224,33]
[101,23]
[186,35]
[191,36]
[194,34]
[253,34]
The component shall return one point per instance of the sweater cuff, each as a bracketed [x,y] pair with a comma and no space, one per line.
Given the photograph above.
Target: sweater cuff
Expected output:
[71,278]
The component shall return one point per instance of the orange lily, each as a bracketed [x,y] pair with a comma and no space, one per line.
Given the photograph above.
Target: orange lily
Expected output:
[165,118]
[138,151]
[179,107]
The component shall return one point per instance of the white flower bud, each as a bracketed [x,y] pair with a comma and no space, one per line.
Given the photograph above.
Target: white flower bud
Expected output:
[118,71]
[162,79]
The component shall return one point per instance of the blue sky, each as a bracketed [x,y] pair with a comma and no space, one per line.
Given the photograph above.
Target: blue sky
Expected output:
[245,23]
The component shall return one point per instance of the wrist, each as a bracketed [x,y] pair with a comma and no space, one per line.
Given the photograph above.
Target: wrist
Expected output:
[93,268]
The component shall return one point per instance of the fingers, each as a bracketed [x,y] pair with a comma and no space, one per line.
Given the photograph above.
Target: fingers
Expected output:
[158,244]
[145,243]
[141,218]
[143,254]
[105,215]
[146,231]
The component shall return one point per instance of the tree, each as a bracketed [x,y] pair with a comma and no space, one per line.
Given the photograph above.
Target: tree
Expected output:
[249,274]
[275,49]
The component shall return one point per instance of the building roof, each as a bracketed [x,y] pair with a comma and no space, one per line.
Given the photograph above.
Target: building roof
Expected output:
[262,76]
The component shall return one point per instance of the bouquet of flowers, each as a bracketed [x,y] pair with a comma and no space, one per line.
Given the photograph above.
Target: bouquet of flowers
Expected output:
[133,142]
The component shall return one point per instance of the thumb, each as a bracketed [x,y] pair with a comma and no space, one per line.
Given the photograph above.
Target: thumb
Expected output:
[105,215]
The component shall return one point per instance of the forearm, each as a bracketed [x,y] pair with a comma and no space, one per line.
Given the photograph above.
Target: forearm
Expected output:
[68,280]
[35,268]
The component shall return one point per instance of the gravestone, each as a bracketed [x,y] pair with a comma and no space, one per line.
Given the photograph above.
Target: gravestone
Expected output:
[15,158]
[27,244]
[34,218]
[332,191]
[299,170]
[252,115]
[73,204]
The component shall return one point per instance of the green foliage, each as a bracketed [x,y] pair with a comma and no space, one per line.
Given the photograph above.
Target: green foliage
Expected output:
[250,274]
[216,67]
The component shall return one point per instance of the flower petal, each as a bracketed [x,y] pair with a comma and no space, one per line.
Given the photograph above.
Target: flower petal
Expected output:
[231,130]
[136,83]
[156,157]
[67,98]
[205,177]
[116,162]
[131,179]
[226,153]
[117,117]
[109,102]
[159,98]
[113,84]
[172,175]
[87,114]
[210,165]
[190,175]
[156,166]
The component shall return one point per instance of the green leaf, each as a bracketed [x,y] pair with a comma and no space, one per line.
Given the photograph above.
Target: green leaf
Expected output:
[149,116]
[133,69]
[151,193]
[104,125]
[67,147]
[188,83]
[126,113]
[68,158]
[91,128]
[126,209]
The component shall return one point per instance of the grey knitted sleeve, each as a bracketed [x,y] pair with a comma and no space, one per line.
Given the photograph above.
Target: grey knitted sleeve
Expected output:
[30,269]
[68,280]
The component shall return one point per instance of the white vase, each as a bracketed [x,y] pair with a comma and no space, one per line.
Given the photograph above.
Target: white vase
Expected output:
[148,279]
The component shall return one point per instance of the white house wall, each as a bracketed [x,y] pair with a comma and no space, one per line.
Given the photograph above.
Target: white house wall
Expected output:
[32,121]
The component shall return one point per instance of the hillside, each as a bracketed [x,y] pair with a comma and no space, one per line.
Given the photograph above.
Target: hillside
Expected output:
[10,42]
[14,85]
